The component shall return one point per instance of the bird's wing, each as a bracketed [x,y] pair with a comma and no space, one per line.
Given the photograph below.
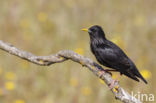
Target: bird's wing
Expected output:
[114,57]
[118,60]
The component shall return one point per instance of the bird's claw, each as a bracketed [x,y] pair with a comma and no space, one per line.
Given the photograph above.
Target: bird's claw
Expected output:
[101,73]
[111,86]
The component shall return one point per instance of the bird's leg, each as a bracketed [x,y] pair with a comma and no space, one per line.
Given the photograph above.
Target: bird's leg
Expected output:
[101,73]
[113,82]
[110,70]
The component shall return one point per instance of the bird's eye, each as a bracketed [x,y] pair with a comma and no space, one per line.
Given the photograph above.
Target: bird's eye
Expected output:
[93,30]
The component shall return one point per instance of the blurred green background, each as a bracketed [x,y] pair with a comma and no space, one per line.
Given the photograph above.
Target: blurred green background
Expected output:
[45,27]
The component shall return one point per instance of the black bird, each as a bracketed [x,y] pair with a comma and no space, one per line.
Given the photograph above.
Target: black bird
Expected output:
[110,55]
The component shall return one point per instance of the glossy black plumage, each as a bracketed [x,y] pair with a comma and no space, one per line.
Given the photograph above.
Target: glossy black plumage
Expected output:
[110,55]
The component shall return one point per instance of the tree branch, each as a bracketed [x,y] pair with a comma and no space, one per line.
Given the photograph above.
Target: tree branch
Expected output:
[64,55]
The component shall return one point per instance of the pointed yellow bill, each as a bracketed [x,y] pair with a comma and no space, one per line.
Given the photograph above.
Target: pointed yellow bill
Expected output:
[85,30]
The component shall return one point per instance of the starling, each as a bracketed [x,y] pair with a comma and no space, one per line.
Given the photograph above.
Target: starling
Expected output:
[110,55]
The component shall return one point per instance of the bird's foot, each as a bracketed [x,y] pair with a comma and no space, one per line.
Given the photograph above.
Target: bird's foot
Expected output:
[101,73]
[108,71]
[104,71]
[113,83]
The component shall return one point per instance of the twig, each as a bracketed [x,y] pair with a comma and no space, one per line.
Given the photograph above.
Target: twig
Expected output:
[64,55]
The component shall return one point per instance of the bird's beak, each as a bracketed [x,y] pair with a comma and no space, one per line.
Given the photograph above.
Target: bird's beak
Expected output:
[85,30]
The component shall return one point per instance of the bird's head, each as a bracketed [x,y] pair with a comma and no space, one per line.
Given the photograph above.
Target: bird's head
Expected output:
[95,32]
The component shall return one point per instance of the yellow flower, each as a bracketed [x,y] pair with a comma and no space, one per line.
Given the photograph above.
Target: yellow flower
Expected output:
[140,20]
[119,41]
[115,89]
[10,85]
[19,101]
[74,82]
[42,17]
[115,76]
[86,91]
[1,92]
[10,75]
[101,81]
[61,58]
[41,61]
[93,67]
[24,23]
[146,74]
[0,70]
[79,51]
[115,40]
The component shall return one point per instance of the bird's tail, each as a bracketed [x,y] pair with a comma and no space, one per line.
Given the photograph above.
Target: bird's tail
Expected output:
[131,76]
[140,76]
[134,73]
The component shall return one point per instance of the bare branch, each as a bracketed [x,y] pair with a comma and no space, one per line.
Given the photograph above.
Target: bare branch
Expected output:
[64,55]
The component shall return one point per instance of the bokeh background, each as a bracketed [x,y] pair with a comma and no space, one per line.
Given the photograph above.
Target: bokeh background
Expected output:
[45,27]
